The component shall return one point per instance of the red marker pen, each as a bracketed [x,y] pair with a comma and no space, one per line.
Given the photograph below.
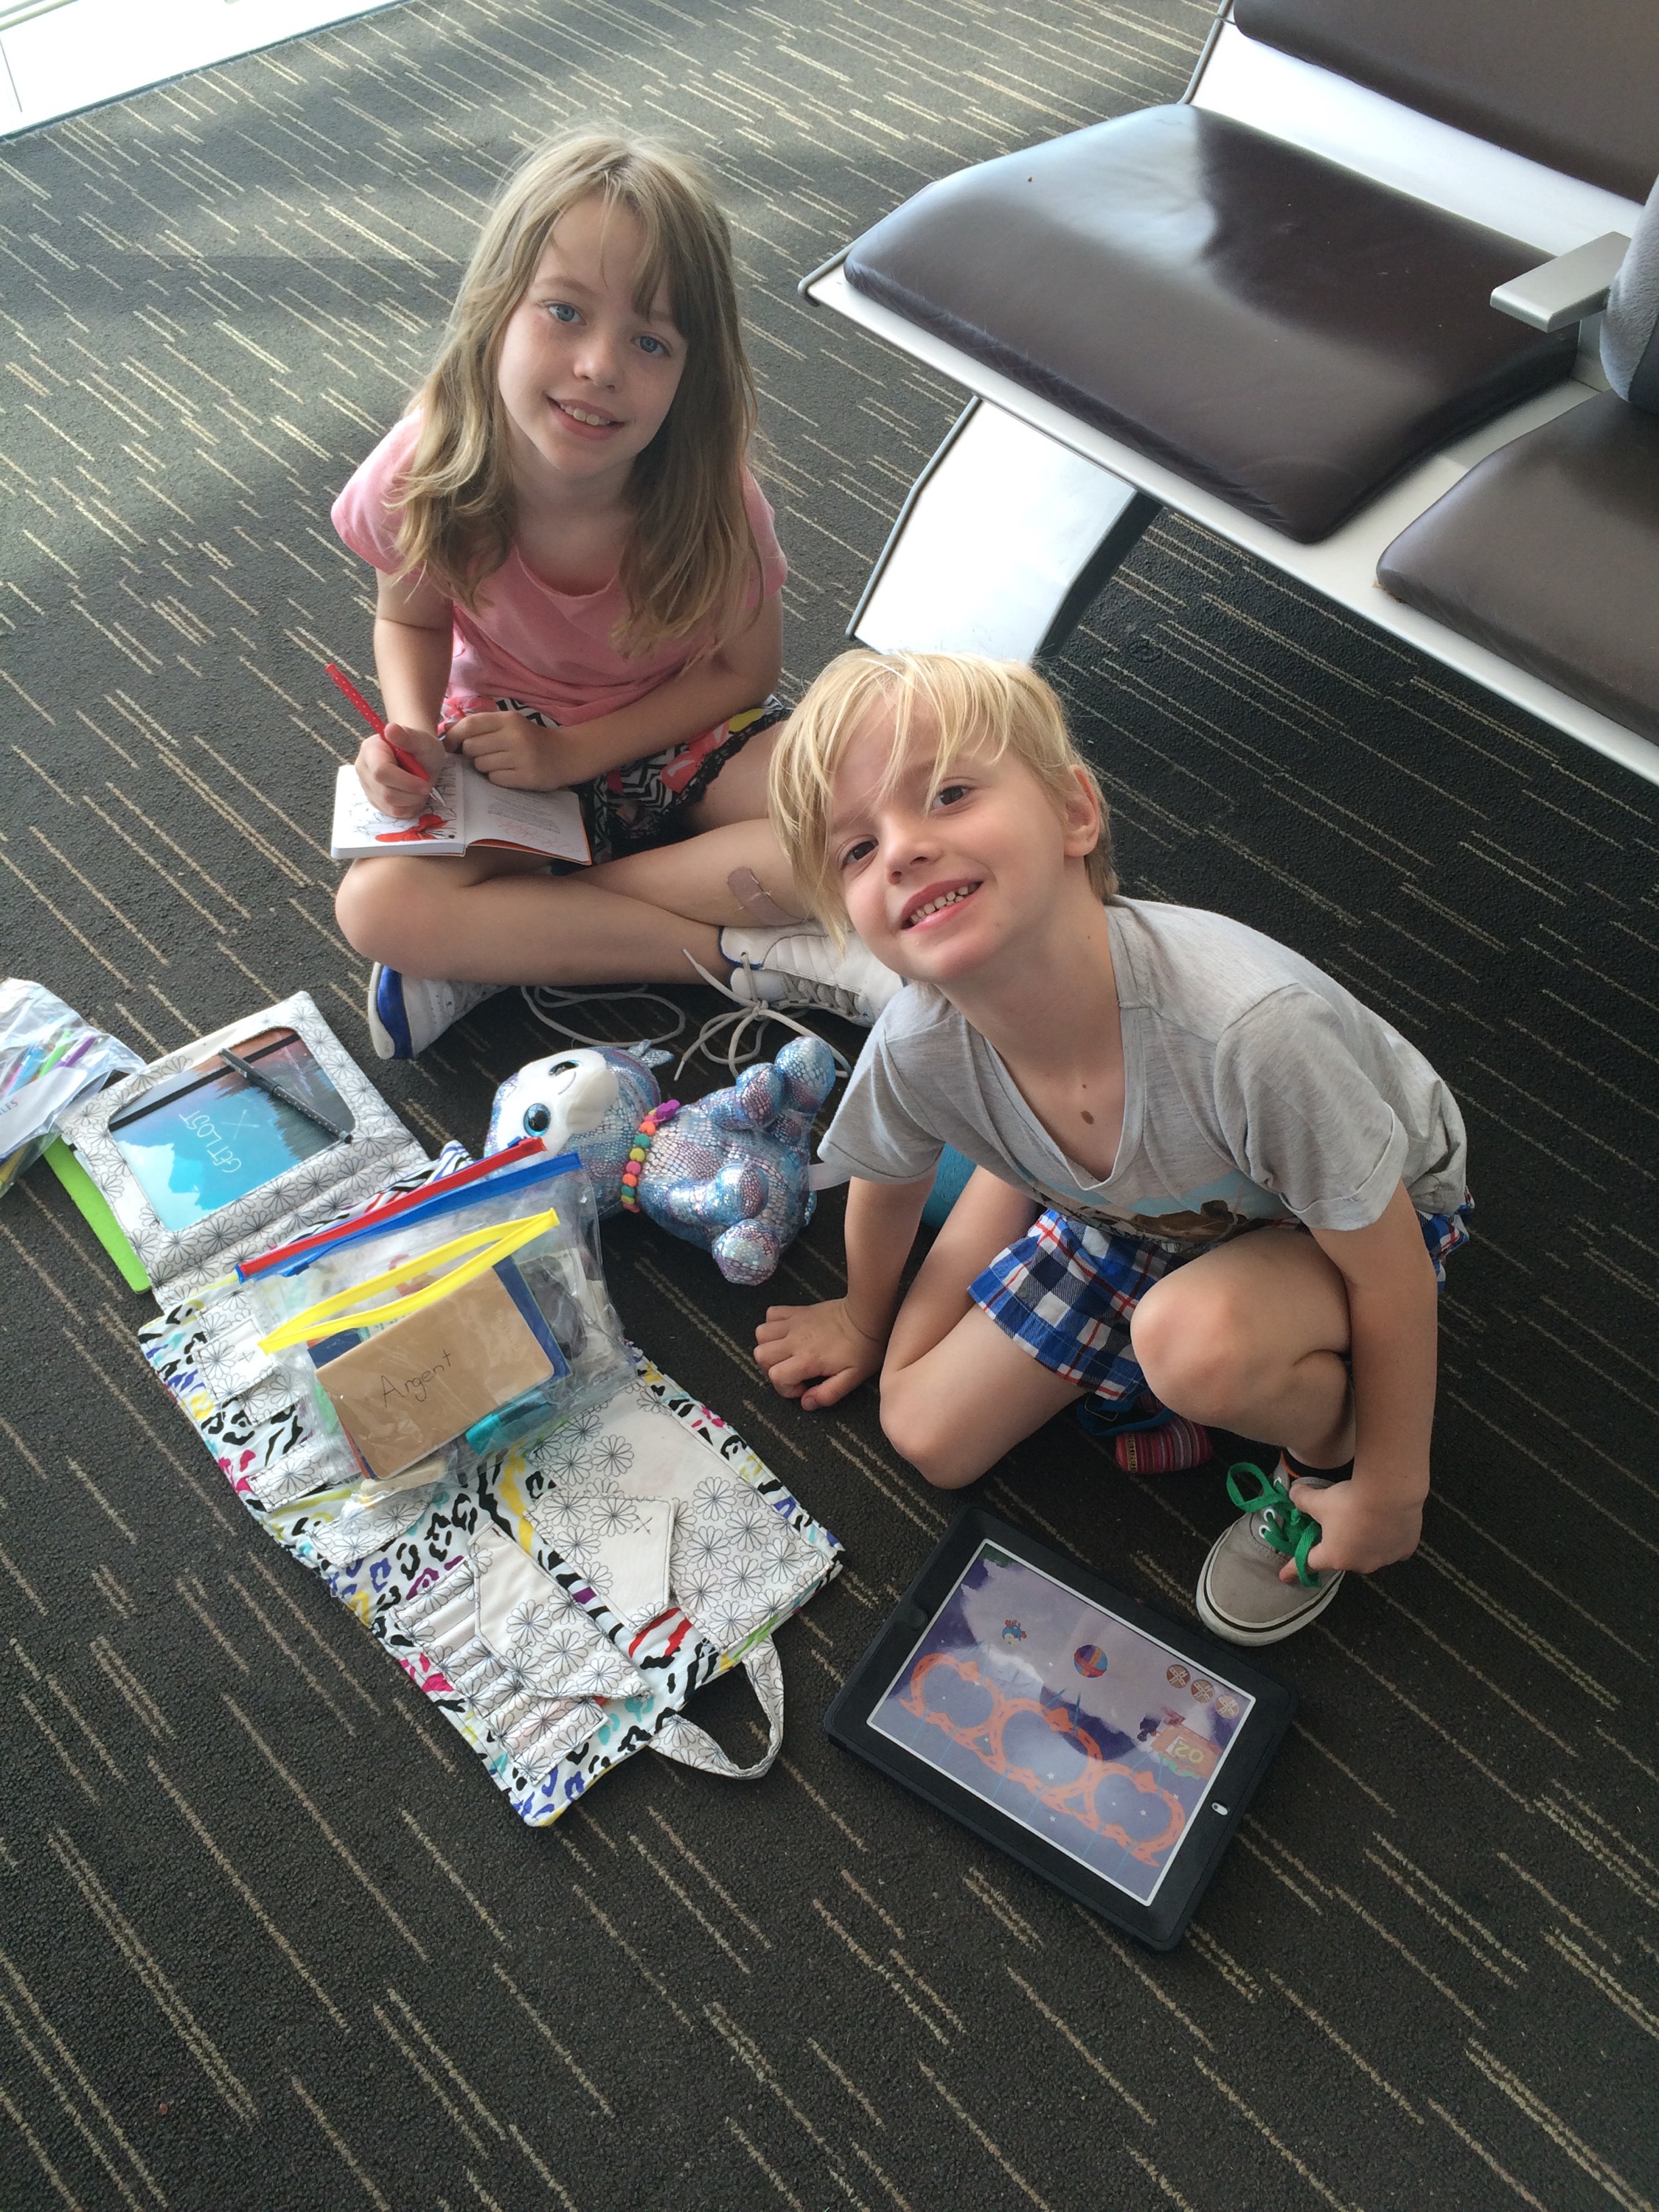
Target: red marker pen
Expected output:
[377,723]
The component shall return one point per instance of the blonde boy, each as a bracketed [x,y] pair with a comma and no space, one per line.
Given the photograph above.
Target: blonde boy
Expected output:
[1158,1101]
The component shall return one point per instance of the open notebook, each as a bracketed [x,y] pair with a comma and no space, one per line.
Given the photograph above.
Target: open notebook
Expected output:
[464,809]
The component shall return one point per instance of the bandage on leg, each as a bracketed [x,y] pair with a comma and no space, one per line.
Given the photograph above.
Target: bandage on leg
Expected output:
[746,887]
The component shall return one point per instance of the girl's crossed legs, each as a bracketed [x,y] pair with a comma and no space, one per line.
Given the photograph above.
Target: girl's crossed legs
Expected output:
[1249,1337]
[498,917]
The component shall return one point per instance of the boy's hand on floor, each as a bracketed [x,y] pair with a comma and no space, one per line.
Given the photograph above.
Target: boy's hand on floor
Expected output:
[511,751]
[393,789]
[1359,1530]
[815,1353]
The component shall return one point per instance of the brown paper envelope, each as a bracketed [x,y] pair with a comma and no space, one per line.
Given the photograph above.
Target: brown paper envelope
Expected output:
[427,1377]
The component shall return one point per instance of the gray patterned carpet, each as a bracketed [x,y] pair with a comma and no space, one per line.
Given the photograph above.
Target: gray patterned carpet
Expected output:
[268,1936]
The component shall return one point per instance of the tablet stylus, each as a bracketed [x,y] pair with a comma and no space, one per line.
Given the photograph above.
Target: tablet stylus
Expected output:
[281,1091]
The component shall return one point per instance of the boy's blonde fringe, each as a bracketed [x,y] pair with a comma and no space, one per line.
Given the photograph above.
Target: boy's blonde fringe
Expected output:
[691,557]
[969,703]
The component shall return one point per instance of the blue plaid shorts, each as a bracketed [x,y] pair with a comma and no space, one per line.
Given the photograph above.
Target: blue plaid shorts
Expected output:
[1066,1293]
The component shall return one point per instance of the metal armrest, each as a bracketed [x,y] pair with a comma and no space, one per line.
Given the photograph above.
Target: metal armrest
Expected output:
[1566,289]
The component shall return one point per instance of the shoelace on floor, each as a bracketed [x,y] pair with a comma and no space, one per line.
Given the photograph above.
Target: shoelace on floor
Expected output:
[549,1003]
[733,1029]
[727,1041]
[1285,1525]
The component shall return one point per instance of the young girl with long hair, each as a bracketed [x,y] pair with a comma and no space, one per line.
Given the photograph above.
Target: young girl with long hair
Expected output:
[578,585]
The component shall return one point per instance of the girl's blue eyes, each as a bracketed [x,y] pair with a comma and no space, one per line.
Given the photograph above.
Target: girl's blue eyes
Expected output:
[562,312]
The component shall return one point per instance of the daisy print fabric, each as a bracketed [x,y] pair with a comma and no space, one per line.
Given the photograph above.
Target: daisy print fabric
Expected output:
[557,1606]
[617,1484]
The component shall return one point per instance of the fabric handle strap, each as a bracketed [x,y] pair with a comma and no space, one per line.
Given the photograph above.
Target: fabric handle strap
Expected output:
[477,1252]
[683,1741]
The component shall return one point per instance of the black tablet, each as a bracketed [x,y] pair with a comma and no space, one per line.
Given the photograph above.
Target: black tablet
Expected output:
[1108,1749]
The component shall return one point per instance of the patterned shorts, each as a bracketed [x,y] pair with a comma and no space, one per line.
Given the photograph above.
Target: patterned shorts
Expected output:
[1066,1293]
[645,803]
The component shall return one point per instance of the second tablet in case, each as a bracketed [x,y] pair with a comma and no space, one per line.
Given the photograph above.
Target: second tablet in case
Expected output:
[1110,1750]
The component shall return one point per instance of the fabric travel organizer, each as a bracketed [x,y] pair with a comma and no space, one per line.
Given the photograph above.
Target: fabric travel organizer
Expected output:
[558,1601]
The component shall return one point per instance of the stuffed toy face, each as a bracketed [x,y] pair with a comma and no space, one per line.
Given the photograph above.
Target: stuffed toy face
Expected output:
[586,1101]
[558,1098]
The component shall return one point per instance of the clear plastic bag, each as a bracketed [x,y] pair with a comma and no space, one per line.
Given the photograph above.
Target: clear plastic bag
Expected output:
[504,1328]
[50,1058]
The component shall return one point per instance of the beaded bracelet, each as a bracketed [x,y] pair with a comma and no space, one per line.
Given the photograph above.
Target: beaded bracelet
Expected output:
[640,1149]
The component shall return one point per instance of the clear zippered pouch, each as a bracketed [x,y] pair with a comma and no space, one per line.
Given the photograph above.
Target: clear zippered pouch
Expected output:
[456,1331]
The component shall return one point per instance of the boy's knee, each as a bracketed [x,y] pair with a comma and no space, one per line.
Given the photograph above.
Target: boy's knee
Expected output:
[1195,1349]
[921,1432]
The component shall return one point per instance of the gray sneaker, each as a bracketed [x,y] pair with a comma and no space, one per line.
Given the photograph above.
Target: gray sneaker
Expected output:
[1240,1597]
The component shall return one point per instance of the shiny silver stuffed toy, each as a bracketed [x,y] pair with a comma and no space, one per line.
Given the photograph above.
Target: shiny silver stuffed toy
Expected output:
[729,1172]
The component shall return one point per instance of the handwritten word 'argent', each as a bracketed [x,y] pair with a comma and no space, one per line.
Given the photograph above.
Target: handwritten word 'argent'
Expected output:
[414,1386]
[217,1150]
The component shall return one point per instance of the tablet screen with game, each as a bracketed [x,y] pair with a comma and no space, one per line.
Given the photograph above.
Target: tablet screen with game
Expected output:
[1111,1750]
[211,1135]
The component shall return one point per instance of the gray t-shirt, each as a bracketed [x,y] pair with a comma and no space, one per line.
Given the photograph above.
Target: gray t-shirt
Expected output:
[1255,1088]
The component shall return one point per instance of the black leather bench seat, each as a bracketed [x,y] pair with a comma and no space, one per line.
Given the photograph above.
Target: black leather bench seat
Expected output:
[1548,552]
[1281,331]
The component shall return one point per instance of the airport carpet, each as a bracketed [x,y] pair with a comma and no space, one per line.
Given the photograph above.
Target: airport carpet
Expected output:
[268,1936]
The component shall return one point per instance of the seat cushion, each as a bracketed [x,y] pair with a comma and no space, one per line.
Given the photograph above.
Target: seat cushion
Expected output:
[1548,552]
[1564,84]
[1282,331]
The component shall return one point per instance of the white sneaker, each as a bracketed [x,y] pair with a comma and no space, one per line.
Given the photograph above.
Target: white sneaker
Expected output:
[797,964]
[406,1013]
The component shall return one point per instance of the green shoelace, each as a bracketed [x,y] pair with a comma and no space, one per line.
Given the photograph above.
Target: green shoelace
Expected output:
[1285,1525]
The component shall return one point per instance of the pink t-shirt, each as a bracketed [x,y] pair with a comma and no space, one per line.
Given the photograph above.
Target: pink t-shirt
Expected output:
[550,649]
